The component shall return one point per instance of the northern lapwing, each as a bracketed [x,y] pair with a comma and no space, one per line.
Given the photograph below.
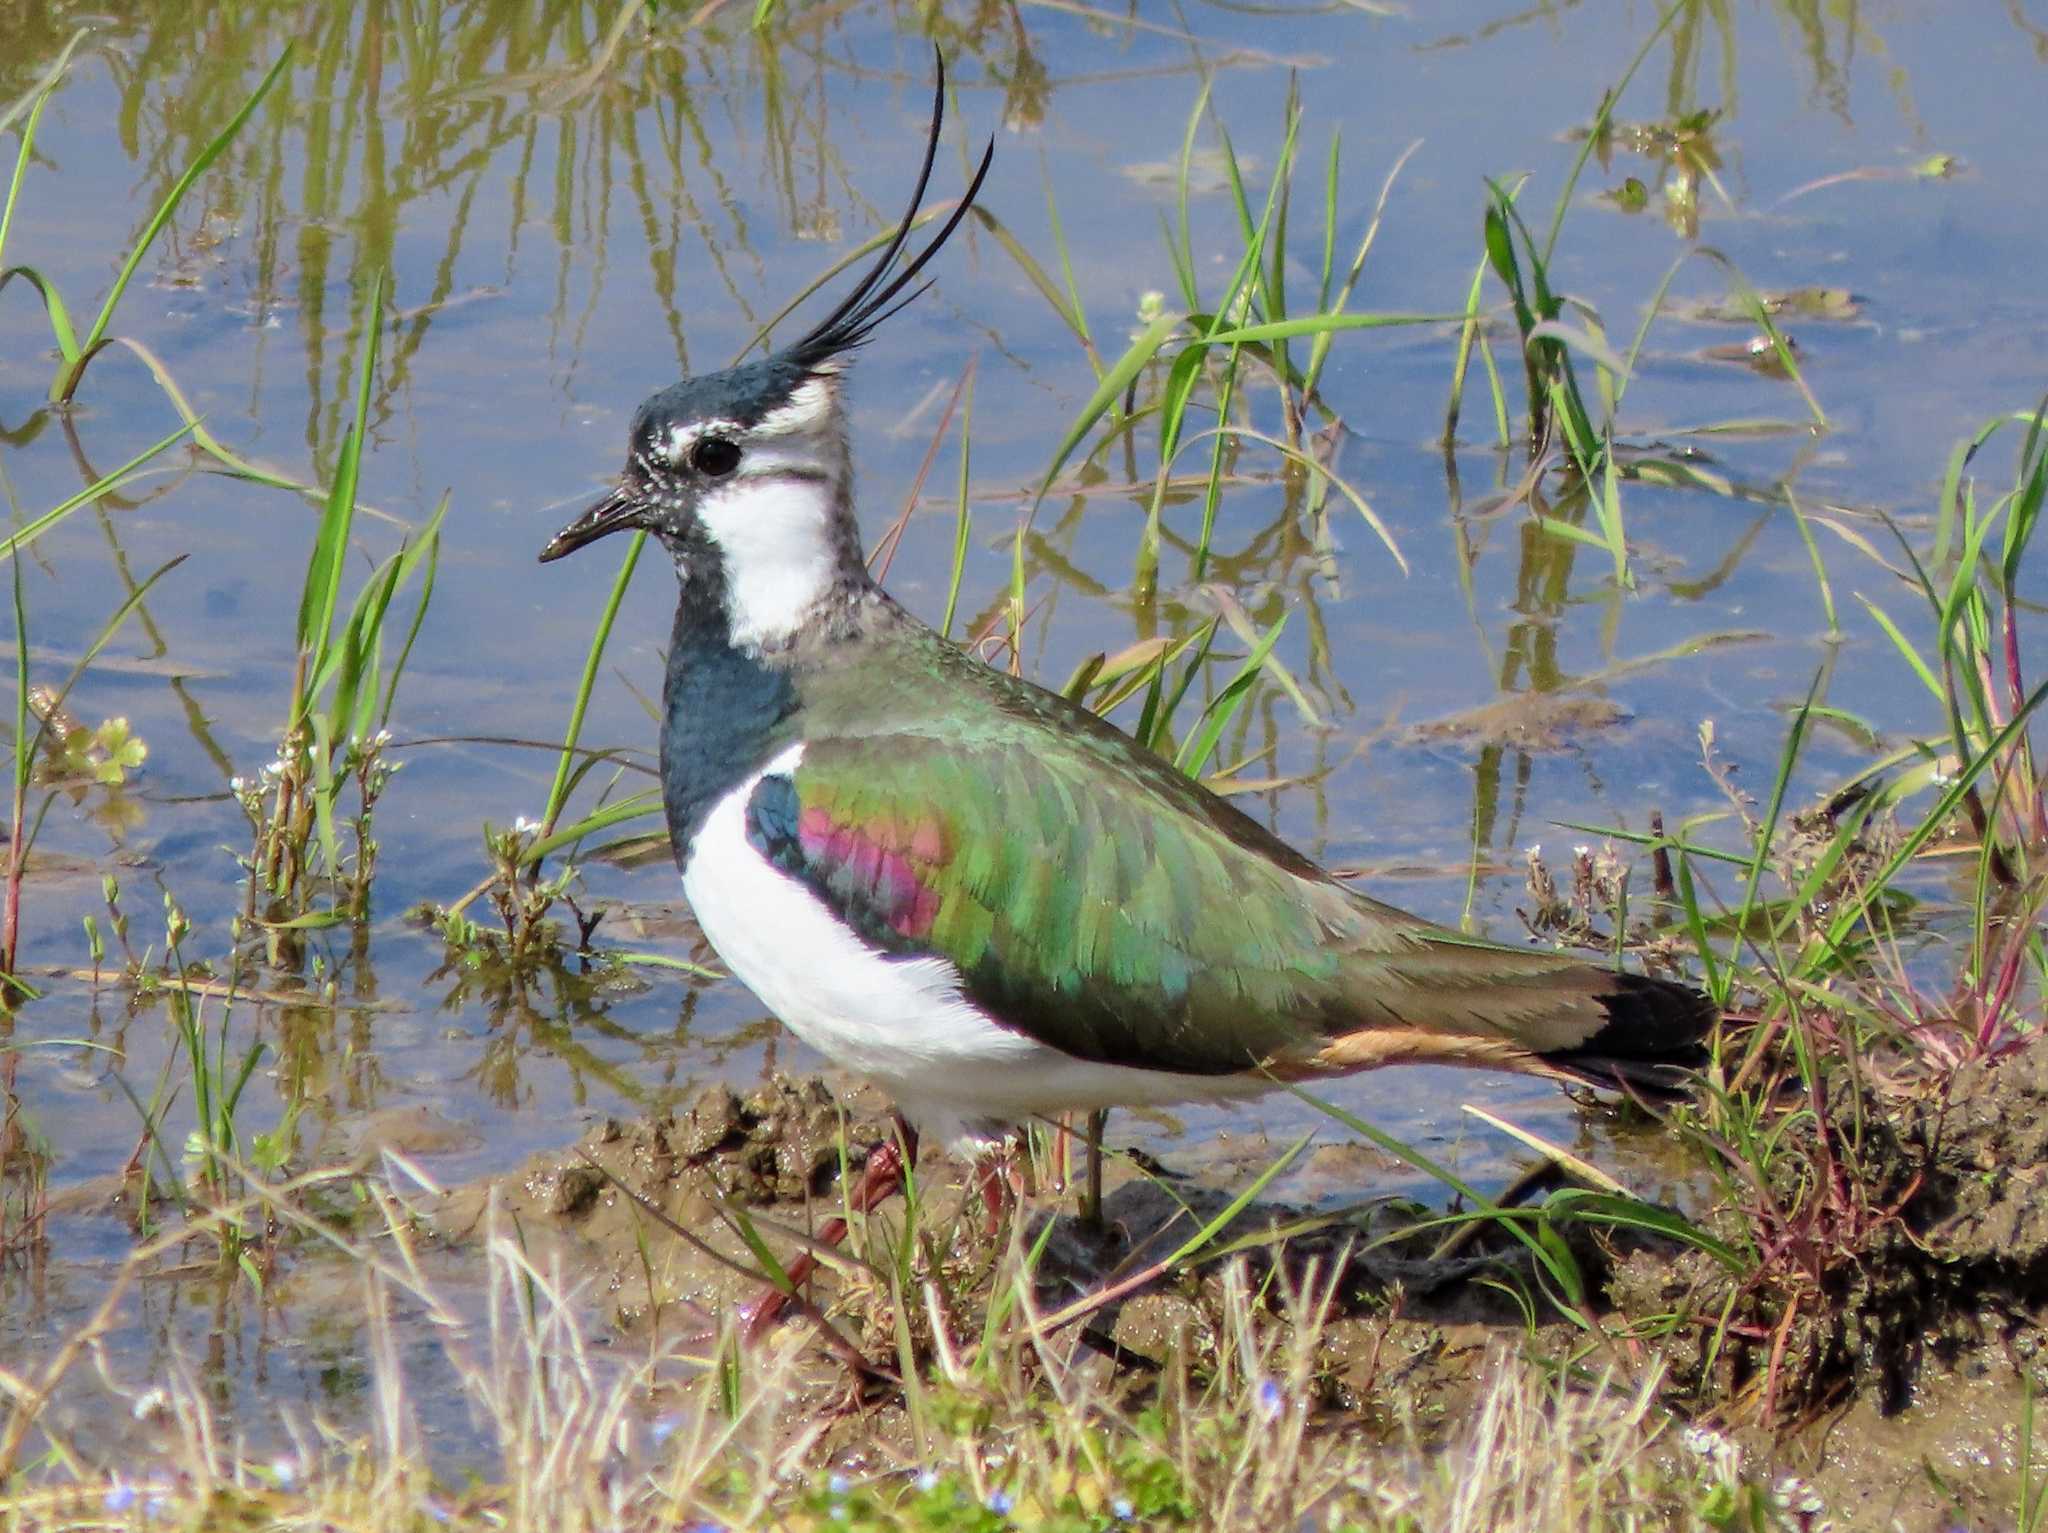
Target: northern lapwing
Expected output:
[973,890]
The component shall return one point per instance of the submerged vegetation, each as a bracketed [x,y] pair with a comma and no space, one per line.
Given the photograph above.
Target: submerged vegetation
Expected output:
[1646,1329]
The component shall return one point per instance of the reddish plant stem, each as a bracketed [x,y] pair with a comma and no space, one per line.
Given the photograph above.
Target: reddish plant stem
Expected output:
[10,938]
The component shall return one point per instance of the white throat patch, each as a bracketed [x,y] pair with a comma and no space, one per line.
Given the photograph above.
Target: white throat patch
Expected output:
[773,528]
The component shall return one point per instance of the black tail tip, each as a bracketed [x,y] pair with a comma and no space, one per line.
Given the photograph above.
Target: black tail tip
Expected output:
[1655,1034]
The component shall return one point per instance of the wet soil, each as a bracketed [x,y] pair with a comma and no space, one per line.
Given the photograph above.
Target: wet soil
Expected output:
[1903,1342]
[774,1150]
[1895,1393]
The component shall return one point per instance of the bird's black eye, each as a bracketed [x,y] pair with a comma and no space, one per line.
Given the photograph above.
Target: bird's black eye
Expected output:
[715,456]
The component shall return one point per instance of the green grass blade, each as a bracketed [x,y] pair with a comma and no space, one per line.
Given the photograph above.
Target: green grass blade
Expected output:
[963,512]
[1600,121]
[1108,391]
[1483,1206]
[1767,831]
[169,205]
[1067,301]
[28,142]
[1318,324]
[559,789]
[1854,906]
[230,461]
[1461,362]
[1302,460]
[634,807]
[106,484]
[35,95]
[1905,647]
[1195,1243]
[324,788]
[1820,568]
[430,540]
[1183,247]
[1216,717]
[53,306]
[330,545]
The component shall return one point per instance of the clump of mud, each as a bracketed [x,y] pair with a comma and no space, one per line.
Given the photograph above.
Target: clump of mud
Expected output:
[776,1147]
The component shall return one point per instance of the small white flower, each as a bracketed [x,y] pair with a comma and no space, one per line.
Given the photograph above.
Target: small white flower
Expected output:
[1794,1494]
[1723,1456]
[151,1402]
[238,784]
[523,826]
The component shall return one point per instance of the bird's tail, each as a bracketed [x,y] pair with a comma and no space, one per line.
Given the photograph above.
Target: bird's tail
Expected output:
[1653,1037]
[1431,996]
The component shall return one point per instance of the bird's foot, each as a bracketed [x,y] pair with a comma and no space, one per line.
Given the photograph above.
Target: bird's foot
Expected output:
[1001,1183]
[758,1316]
[881,1178]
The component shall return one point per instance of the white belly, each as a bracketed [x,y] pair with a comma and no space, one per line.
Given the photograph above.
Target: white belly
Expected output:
[901,1021]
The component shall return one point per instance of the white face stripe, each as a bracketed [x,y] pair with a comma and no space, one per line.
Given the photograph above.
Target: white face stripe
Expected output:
[674,448]
[813,407]
[902,1021]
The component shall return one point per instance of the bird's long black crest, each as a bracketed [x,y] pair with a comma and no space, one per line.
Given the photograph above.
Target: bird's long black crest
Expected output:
[874,298]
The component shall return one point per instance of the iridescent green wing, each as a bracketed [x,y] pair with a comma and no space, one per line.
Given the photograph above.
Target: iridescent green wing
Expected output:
[1101,901]
[1104,905]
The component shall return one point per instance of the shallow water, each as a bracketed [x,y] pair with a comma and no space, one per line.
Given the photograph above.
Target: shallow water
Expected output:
[561,229]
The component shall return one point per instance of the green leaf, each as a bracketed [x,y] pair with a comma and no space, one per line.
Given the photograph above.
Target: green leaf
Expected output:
[638,806]
[1904,646]
[312,920]
[1500,255]
[558,791]
[1581,340]
[33,101]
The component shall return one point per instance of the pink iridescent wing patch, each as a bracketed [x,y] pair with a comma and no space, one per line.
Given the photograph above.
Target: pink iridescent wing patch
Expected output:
[889,864]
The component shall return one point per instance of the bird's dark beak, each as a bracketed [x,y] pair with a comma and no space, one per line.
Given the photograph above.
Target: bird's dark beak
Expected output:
[619,509]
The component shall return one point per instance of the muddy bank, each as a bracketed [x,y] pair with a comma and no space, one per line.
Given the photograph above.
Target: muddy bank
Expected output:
[1895,1388]
[1898,1328]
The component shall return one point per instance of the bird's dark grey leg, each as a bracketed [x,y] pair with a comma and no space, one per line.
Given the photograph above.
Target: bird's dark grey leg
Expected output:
[1091,1200]
[881,1177]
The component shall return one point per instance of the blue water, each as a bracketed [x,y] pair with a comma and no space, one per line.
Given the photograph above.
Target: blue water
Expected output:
[559,239]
